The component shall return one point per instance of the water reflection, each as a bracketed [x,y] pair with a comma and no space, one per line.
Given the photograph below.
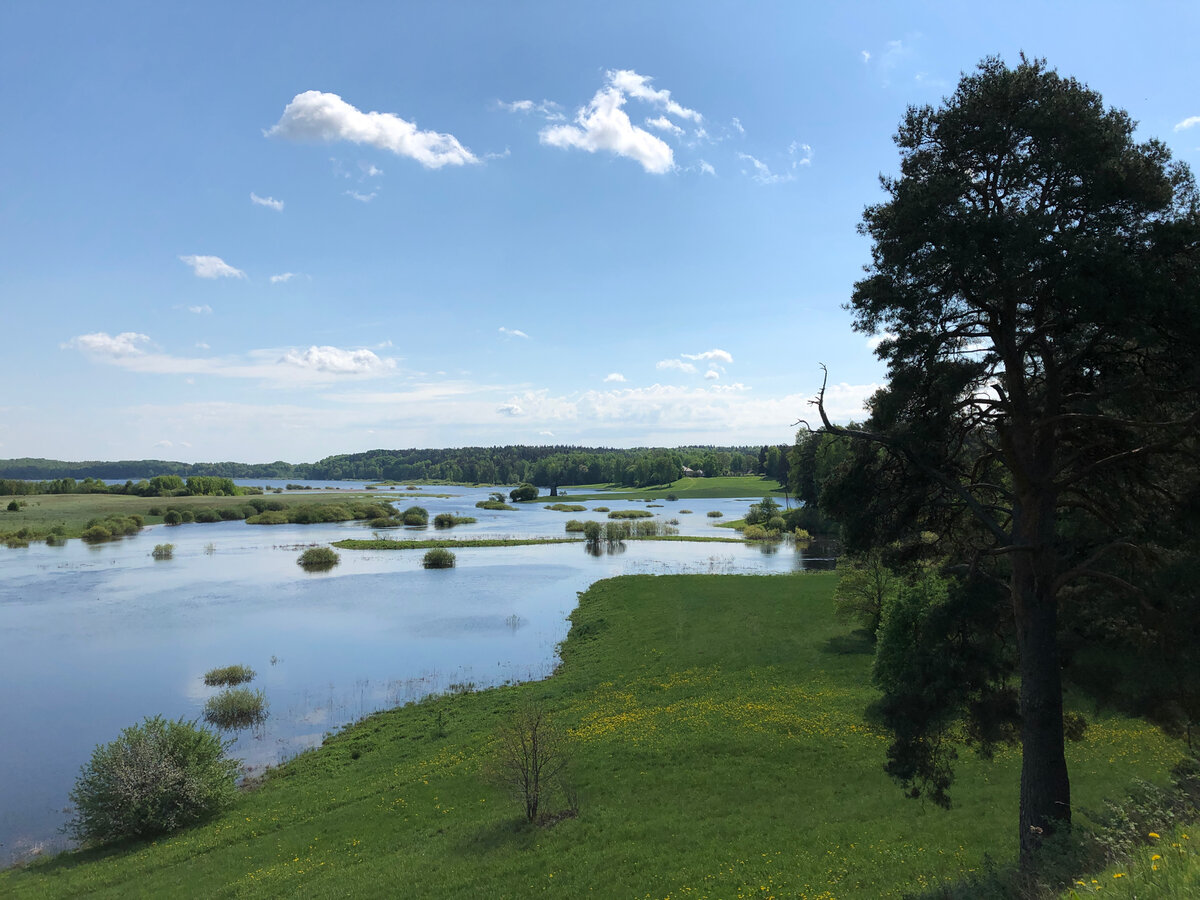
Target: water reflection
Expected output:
[96,637]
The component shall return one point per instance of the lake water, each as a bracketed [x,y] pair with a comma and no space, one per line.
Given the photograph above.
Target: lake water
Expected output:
[94,638]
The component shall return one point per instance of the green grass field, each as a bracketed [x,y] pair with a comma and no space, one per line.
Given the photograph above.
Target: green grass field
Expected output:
[721,750]
[753,487]
[43,511]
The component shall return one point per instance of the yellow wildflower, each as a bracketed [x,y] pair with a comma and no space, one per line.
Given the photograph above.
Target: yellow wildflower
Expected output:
[1154,834]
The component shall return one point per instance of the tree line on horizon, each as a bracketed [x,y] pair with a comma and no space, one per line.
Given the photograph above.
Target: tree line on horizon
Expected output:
[548,466]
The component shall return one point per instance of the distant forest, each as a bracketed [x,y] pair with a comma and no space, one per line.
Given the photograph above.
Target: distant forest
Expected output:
[544,466]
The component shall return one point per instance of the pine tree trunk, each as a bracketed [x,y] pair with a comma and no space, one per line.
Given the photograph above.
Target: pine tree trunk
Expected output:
[1045,784]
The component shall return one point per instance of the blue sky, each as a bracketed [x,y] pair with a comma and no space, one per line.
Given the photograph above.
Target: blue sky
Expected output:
[283,231]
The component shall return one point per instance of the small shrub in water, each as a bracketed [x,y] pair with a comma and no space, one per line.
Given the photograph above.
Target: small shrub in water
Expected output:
[236,708]
[163,551]
[599,509]
[715,514]
[416,515]
[316,558]
[226,676]
[438,558]
[685,512]
[574,525]
[154,778]
[630,514]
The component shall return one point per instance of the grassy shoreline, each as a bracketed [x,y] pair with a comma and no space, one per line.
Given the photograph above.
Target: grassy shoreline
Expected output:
[721,747]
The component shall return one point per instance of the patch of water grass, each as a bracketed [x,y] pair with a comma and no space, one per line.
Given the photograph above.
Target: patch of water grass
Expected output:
[566,507]
[630,514]
[163,551]
[438,558]
[316,559]
[228,676]
[449,520]
[236,708]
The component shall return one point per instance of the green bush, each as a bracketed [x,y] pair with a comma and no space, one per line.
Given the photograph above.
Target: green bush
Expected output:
[438,558]
[493,504]
[416,515]
[172,517]
[154,778]
[599,509]
[591,531]
[226,676]
[449,520]
[236,708]
[316,558]
[187,515]
[14,506]
[163,551]
[566,507]
[715,514]
[96,534]
[207,515]
[630,514]
[154,511]
[523,491]
[574,525]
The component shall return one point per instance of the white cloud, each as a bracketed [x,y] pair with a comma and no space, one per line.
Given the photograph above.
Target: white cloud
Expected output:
[722,355]
[737,125]
[279,368]
[706,168]
[513,332]
[202,310]
[212,267]
[200,345]
[875,340]
[612,377]
[675,364]
[315,115]
[269,202]
[603,125]
[282,277]
[362,198]
[712,375]
[510,409]
[337,361]
[547,109]
[546,433]
[866,56]
[1189,122]
[662,123]
[801,154]
[163,444]
[370,170]
[101,343]
[638,86]
[762,172]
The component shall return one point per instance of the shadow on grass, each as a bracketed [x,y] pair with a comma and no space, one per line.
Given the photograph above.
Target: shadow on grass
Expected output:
[857,642]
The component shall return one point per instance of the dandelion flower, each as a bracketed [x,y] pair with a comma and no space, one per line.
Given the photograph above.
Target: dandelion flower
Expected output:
[1154,834]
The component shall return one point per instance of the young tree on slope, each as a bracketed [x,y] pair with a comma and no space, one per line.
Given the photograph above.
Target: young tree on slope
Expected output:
[1036,275]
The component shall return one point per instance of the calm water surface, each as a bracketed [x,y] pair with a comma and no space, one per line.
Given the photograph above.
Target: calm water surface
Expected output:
[95,638]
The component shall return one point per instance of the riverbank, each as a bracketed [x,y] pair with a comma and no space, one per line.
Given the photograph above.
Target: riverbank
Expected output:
[721,746]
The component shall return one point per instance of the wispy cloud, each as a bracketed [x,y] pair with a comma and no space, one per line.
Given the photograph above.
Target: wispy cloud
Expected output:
[212,267]
[269,202]
[866,56]
[712,375]
[282,277]
[362,198]
[513,332]
[614,377]
[280,368]
[662,123]
[547,109]
[315,115]
[677,364]
[722,355]
[762,172]
[202,310]
[801,154]
[1189,122]
[638,87]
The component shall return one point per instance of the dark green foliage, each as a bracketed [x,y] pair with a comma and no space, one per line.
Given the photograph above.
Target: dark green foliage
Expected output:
[163,551]
[438,558]
[14,506]
[318,558]
[1034,272]
[172,517]
[574,526]
[523,492]
[155,778]
[449,520]
[864,590]
[493,504]
[761,513]
[591,531]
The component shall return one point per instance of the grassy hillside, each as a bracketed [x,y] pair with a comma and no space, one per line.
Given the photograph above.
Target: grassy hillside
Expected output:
[720,750]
